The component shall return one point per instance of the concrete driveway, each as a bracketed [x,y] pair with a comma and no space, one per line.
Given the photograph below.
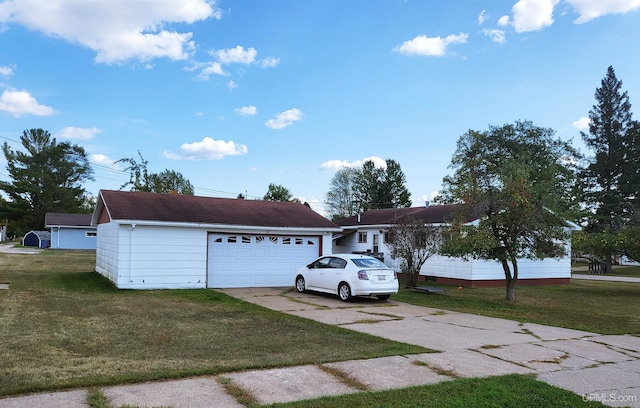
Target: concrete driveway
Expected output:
[12,249]
[596,367]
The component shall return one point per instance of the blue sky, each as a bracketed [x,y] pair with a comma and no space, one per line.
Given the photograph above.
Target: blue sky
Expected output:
[239,94]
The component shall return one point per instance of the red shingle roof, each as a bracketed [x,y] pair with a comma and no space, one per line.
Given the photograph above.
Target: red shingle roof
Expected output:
[139,206]
[434,214]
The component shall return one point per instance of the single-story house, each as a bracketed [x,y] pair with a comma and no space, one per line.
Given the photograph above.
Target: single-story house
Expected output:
[40,239]
[367,233]
[71,231]
[167,241]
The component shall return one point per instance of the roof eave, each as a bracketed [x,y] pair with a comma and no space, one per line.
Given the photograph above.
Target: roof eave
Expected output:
[225,227]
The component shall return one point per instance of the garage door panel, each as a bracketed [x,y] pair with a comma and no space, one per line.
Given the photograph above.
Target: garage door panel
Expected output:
[257,260]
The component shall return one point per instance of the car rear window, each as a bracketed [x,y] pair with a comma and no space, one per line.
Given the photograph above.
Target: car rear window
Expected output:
[368,263]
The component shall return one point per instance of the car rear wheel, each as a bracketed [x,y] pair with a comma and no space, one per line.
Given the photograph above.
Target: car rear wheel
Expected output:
[344,292]
[383,297]
[300,285]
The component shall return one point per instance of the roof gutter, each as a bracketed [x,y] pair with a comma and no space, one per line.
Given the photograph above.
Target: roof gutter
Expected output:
[229,227]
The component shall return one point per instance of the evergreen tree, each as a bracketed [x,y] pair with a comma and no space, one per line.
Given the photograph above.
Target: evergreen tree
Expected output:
[46,177]
[611,181]
[377,187]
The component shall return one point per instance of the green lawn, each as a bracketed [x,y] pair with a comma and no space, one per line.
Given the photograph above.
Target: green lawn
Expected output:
[63,326]
[595,306]
[511,391]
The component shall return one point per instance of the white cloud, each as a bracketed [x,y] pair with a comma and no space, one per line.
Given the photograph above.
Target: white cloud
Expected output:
[237,55]
[207,149]
[77,133]
[247,111]
[334,165]
[210,68]
[103,160]
[285,119]
[582,124]
[232,85]
[21,103]
[424,199]
[434,46]
[269,62]
[533,15]
[591,9]
[497,35]
[116,30]
[482,17]
[503,21]
[6,71]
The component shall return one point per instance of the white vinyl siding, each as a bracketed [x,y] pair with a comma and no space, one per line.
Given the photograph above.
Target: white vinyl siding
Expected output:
[152,257]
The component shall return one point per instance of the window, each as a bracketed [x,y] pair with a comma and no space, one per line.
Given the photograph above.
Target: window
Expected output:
[231,240]
[299,241]
[362,237]
[286,240]
[273,240]
[340,241]
[90,234]
[337,263]
[246,239]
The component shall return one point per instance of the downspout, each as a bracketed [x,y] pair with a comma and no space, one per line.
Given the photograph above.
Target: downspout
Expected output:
[133,228]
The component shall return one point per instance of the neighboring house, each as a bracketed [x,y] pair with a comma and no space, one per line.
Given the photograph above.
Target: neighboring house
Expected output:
[166,241]
[367,233]
[40,239]
[71,231]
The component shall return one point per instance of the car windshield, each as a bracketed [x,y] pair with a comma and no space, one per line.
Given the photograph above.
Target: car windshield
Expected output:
[368,263]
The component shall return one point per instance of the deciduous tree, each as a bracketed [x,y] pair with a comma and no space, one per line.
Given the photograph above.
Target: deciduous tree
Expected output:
[413,241]
[165,182]
[340,199]
[276,192]
[519,180]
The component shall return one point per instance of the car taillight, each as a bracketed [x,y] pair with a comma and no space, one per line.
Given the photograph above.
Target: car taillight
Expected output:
[362,275]
[395,275]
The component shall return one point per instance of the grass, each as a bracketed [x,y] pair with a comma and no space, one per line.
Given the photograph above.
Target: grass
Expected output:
[63,326]
[510,391]
[594,306]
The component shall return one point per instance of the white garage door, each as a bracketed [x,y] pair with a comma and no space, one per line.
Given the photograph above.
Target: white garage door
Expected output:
[244,261]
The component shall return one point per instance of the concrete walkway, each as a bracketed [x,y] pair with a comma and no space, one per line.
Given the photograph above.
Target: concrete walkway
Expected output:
[594,366]
[605,278]
[12,249]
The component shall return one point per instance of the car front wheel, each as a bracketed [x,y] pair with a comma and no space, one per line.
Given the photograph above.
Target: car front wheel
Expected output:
[344,292]
[300,285]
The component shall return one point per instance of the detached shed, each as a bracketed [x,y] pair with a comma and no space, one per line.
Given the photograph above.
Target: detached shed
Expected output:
[164,241]
[71,231]
[40,239]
